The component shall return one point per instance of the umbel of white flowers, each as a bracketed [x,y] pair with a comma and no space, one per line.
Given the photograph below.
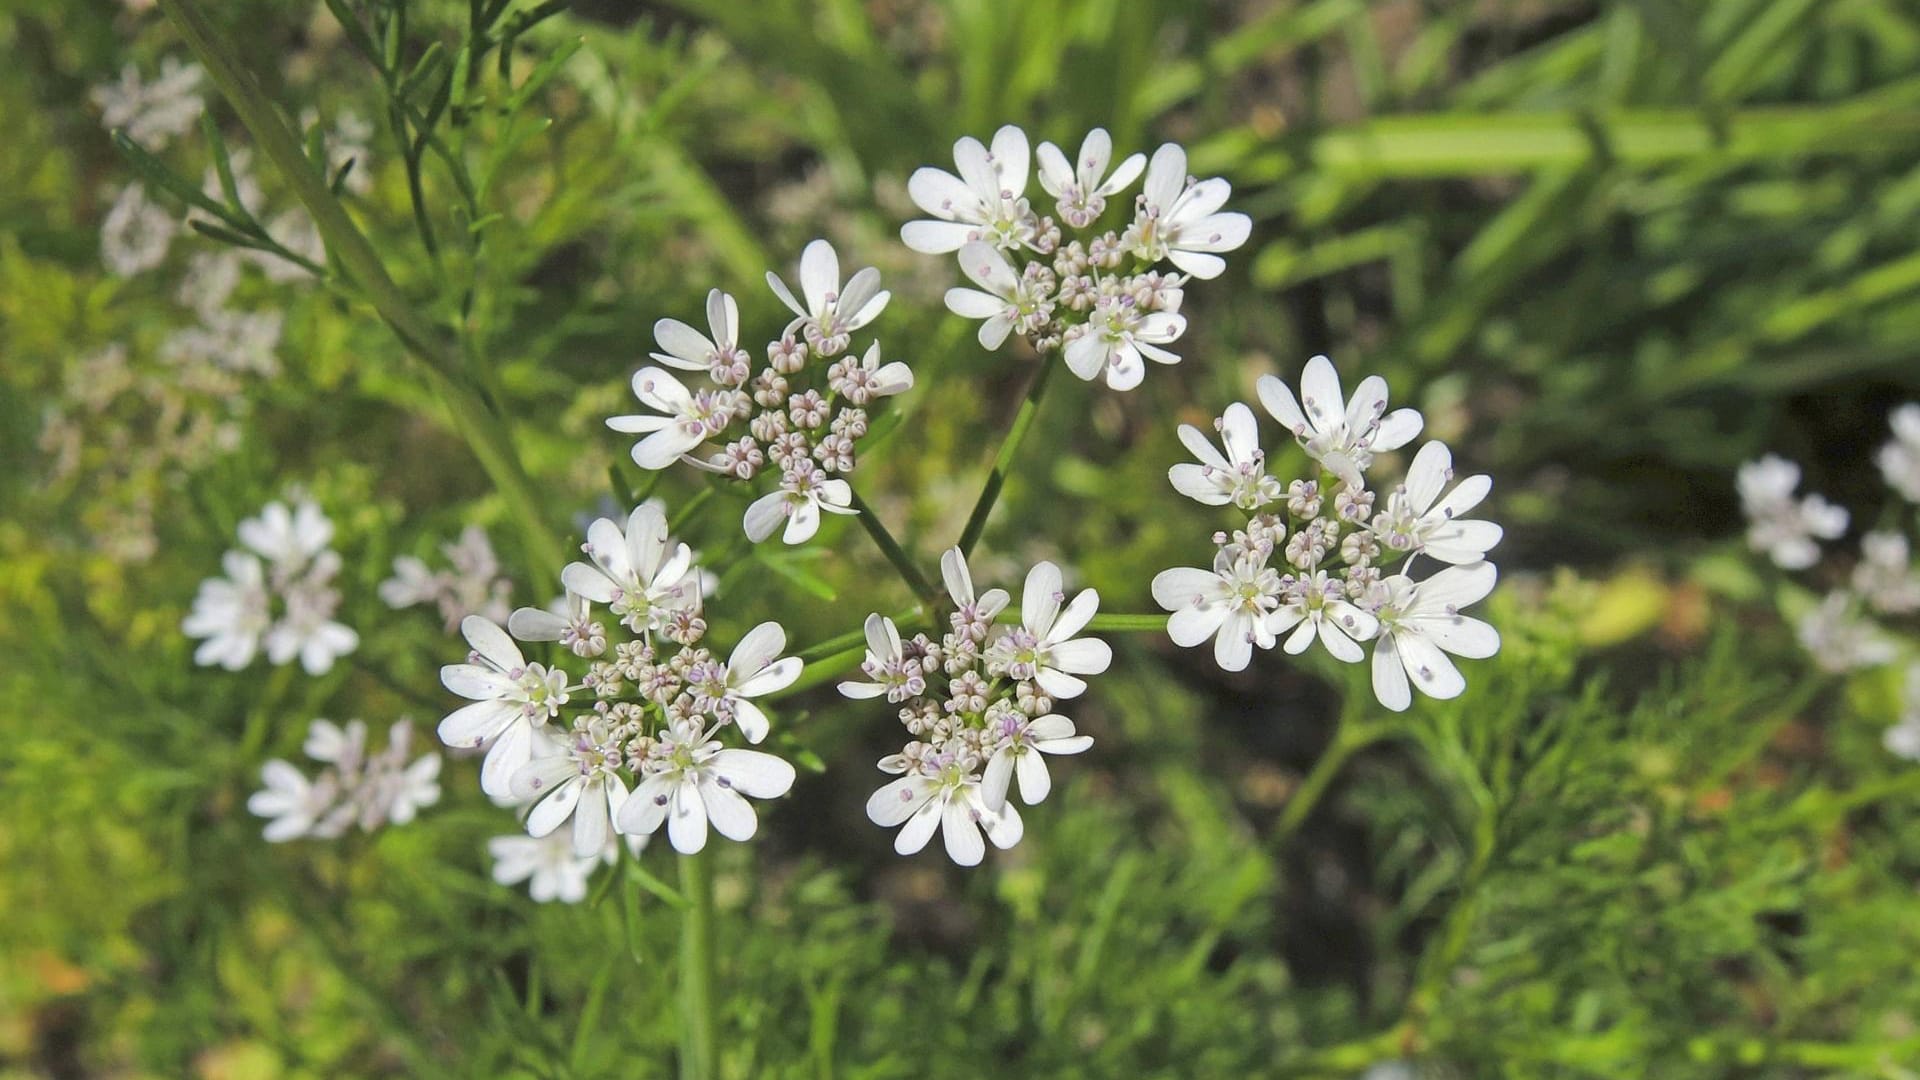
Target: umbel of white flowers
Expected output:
[277,595]
[1323,558]
[801,411]
[979,706]
[1851,628]
[638,739]
[354,787]
[1100,297]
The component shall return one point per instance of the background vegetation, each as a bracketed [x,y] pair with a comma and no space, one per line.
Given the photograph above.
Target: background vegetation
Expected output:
[1611,249]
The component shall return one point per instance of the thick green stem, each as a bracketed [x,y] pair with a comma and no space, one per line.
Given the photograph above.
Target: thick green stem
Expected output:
[1003,461]
[699,1042]
[923,589]
[473,420]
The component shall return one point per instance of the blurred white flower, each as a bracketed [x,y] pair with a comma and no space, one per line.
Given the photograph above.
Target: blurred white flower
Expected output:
[294,803]
[548,865]
[1841,639]
[355,788]
[235,615]
[1783,527]
[308,630]
[231,613]
[1179,219]
[1420,623]
[1340,434]
[473,585]
[288,538]
[136,234]
[1885,576]
[152,113]
[1899,459]
[1082,188]
[690,780]
[243,341]
[985,202]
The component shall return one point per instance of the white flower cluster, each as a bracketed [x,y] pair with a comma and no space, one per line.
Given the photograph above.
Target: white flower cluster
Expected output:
[152,113]
[277,593]
[1787,529]
[354,788]
[803,410]
[1058,280]
[979,705]
[473,585]
[650,706]
[1872,619]
[548,865]
[1325,557]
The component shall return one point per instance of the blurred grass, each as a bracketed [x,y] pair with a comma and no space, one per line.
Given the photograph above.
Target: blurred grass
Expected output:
[1611,249]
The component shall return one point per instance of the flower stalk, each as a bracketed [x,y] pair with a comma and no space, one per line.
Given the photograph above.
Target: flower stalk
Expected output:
[1003,460]
[923,590]
[699,1042]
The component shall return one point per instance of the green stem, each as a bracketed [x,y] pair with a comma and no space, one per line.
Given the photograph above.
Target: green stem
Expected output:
[699,1042]
[472,419]
[1118,623]
[897,555]
[1348,741]
[1003,461]
[689,509]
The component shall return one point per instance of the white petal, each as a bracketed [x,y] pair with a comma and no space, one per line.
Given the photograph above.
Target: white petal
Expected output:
[1081,656]
[819,274]
[752,772]
[687,819]
[936,237]
[997,775]
[510,750]
[1389,677]
[961,834]
[1040,601]
[473,725]
[1280,403]
[1190,626]
[732,816]
[490,641]
[897,801]
[919,827]
[554,809]
[1035,781]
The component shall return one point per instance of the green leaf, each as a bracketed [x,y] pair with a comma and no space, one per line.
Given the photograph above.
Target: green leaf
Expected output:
[156,171]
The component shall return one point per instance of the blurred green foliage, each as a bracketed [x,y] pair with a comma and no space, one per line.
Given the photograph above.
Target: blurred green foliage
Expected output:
[1609,248]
